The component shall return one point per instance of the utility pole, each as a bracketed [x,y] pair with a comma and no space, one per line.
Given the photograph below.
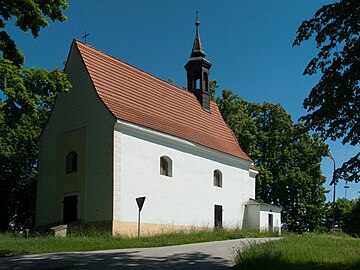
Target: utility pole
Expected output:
[346,187]
[333,182]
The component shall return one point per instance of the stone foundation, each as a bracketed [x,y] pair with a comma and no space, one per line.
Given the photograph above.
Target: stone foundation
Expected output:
[146,229]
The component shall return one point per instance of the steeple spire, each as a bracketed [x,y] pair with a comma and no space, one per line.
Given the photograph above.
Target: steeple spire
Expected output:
[197,49]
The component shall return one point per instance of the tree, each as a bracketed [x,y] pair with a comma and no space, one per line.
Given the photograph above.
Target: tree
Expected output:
[353,223]
[333,105]
[28,98]
[286,155]
[347,216]
[30,15]
[213,85]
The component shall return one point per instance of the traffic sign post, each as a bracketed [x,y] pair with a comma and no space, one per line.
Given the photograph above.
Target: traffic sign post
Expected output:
[140,202]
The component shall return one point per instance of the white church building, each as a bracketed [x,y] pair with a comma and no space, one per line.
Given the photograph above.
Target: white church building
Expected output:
[121,133]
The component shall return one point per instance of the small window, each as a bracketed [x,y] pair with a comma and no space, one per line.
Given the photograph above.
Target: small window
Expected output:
[217,178]
[165,166]
[71,162]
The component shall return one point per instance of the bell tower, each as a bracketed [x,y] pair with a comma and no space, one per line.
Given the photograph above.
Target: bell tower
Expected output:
[198,71]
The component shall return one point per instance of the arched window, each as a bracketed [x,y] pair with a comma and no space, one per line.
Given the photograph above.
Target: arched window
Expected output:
[217,178]
[71,162]
[197,78]
[197,84]
[206,82]
[165,166]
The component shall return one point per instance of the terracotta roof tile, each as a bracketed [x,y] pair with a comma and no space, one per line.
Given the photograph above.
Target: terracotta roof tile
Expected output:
[137,97]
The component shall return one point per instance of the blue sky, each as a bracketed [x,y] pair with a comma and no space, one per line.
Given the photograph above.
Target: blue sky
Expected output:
[248,42]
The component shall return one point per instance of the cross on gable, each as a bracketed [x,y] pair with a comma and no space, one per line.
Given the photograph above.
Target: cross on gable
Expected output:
[85,36]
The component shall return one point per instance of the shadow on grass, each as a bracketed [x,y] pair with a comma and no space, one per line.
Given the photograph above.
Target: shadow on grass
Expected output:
[267,261]
[114,260]
[9,253]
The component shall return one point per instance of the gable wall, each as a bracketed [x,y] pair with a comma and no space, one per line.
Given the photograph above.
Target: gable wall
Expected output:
[79,122]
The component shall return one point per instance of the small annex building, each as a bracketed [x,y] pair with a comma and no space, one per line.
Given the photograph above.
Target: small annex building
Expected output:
[121,133]
[262,216]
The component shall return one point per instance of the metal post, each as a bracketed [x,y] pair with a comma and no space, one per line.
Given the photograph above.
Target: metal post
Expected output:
[346,187]
[334,203]
[333,182]
[139,227]
[140,202]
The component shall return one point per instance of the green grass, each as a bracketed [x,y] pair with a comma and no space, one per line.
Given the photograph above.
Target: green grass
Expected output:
[309,252]
[15,245]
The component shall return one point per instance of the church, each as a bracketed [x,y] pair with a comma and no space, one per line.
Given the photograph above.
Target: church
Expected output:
[121,134]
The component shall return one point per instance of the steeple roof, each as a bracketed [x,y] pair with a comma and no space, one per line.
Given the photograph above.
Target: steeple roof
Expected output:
[197,50]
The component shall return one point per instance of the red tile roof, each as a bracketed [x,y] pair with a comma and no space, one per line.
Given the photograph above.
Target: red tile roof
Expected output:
[135,96]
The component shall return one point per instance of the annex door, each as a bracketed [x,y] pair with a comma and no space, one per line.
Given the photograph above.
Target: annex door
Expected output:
[70,208]
[270,222]
[218,216]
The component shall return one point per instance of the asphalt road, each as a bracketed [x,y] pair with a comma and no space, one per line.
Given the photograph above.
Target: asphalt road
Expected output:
[211,255]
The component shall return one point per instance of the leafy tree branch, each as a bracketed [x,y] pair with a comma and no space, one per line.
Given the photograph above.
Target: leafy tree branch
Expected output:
[333,105]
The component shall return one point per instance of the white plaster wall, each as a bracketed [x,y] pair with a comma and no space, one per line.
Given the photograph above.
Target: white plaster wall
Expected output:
[79,109]
[188,197]
[117,176]
[264,218]
[277,221]
[252,217]
[251,183]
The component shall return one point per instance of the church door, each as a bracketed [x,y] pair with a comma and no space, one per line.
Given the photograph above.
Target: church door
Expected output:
[70,209]
[218,216]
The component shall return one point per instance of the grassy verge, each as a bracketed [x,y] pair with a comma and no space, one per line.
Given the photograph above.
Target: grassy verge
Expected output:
[15,245]
[310,252]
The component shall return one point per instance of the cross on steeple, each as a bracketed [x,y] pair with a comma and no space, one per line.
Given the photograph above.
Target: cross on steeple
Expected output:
[197,23]
[85,36]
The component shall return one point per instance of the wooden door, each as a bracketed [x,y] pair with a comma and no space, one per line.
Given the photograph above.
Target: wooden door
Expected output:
[218,216]
[70,209]
[271,222]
